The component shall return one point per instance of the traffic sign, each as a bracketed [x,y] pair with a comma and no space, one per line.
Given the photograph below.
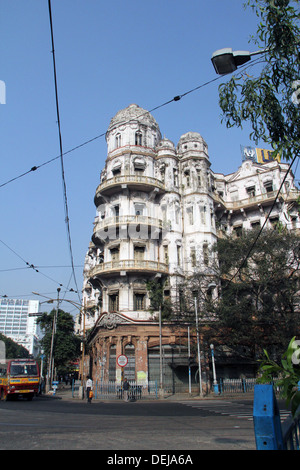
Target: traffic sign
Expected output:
[122,360]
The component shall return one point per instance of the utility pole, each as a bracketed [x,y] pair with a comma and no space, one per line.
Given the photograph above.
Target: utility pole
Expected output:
[83,351]
[189,355]
[199,351]
[160,356]
[51,362]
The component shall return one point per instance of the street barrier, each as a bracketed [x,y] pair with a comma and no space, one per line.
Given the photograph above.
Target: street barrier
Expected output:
[270,433]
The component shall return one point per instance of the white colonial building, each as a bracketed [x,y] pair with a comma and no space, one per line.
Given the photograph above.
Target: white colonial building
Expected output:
[160,208]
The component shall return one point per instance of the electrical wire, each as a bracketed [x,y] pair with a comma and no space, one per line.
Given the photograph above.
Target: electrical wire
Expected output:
[30,265]
[103,134]
[67,220]
[36,167]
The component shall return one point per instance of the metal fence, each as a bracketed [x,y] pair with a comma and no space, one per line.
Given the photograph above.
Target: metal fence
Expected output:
[113,390]
[236,385]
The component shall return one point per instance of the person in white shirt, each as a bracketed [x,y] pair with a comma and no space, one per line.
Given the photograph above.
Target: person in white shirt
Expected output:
[89,388]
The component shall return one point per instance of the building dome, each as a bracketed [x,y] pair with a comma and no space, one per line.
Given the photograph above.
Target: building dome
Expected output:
[191,141]
[190,136]
[133,126]
[132,113]
[165,146]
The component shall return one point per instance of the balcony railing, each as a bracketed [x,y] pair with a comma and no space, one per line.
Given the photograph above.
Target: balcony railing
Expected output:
[140,180]
[128,265]
[257,199]
[128,219]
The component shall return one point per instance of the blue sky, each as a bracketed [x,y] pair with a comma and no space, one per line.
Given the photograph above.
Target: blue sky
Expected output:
[108,55]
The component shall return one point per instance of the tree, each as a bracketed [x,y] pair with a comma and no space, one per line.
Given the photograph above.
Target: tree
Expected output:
[266,100]
[13,350]
[155,288]
[259,301]
[66,343]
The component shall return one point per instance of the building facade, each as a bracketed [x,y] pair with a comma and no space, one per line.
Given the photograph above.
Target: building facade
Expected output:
[17,323]
[160,209]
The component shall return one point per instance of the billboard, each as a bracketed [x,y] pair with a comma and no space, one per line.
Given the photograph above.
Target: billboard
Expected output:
[258,155]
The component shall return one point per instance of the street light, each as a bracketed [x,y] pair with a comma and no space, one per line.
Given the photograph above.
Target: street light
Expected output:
[215,383]
[227,61]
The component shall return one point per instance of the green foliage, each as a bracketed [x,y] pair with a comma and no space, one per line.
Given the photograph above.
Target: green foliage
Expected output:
[287,373]
[155,288]
[265,101]
[259,301]
[13,350]
[66,343]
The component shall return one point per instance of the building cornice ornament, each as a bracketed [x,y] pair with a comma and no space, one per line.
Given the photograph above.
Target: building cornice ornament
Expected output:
[111,321]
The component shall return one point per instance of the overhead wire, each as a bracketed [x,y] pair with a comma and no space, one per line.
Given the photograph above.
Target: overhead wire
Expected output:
[30,265]
[73,149]
[67,219]
[62,154]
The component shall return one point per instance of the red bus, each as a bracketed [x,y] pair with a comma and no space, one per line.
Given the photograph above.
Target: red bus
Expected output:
[19,377]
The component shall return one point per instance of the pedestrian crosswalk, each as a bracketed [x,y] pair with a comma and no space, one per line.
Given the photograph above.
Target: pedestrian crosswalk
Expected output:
[229,408]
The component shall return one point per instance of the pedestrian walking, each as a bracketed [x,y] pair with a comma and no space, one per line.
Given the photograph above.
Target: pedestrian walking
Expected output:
[89,389]
[126,387]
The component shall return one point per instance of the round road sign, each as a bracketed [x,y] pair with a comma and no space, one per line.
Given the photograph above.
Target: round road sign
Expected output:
[122,360]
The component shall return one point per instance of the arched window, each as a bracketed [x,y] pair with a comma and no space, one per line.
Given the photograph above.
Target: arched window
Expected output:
[118,140]
[129,370]
[112,363]
[138,138]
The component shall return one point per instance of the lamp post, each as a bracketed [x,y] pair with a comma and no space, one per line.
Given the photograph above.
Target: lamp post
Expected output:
[215,383]
[227,61]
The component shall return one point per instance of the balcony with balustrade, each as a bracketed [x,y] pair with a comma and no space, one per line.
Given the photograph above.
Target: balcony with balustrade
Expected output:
[126,227]
[133,182]
[258,199]
[121,267]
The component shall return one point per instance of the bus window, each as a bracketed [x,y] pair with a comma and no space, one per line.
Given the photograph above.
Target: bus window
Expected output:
[23,369]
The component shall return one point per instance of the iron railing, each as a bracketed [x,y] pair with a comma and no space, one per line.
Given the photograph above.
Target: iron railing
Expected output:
[112,390]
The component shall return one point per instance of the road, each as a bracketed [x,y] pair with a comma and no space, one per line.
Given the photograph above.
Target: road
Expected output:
[47,423]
